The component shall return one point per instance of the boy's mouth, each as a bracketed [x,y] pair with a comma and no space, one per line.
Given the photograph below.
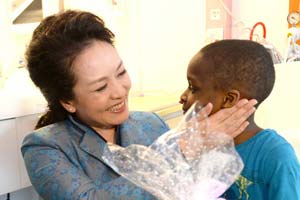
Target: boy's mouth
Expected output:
[184,109]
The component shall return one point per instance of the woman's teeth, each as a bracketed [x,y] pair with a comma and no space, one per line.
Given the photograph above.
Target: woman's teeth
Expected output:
[116,108]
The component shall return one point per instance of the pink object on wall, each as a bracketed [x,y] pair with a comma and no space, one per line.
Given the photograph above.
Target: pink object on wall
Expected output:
[224,21]
[228,22]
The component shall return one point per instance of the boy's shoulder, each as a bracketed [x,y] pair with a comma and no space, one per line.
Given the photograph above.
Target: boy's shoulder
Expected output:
[276,144]
[270,137]
[267,144]
[267,138]
[270,148]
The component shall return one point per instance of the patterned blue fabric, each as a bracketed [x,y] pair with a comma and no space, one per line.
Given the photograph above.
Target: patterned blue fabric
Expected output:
[64,160]
[271,172]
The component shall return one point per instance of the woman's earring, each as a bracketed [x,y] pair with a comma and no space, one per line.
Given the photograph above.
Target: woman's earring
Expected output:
[71,109]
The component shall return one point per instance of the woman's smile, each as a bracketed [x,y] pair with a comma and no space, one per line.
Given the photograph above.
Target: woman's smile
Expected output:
[120,107]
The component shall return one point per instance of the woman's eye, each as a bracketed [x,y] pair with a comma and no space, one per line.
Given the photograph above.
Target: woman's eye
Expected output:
[101,88]
[122,73]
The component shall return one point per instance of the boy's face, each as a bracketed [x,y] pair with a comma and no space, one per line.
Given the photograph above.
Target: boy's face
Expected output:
[201,85]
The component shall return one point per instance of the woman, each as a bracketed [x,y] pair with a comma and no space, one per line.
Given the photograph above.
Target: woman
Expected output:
[71,58]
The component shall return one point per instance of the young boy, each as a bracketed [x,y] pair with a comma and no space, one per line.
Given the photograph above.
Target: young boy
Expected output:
[224,72]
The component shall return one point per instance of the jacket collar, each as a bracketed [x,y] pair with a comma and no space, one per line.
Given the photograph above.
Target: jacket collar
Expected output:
[91,142]
[127,133]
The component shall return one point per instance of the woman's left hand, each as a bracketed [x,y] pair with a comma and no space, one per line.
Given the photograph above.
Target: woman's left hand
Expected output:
[231,121]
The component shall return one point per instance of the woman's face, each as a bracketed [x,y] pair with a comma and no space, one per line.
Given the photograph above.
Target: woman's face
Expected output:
[102,86]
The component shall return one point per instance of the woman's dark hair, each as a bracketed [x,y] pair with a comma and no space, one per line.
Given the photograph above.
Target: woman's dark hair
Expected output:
[54,45]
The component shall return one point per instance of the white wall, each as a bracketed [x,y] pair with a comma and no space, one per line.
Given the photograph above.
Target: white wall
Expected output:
[157,39]
[5,40]
[171,33]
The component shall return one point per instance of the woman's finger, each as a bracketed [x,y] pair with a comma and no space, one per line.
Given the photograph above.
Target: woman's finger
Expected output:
[232,121]
[226,113]
[240,129]
[204,112]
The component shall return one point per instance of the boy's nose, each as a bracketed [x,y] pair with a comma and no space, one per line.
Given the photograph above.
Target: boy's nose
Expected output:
[183,98]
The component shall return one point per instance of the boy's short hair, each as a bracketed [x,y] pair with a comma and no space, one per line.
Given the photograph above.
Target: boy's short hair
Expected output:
[243,65]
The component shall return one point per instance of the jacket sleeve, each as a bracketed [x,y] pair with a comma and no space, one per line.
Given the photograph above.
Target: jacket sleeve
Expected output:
[55,177]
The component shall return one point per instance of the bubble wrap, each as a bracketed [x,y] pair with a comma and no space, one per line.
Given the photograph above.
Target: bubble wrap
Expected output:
[186,163]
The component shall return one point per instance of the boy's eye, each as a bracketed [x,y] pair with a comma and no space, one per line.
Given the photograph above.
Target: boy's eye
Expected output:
[192,89]
[101,88]
[122,73]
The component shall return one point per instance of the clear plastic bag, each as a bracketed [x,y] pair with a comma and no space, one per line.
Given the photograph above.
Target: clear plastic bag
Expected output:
[186,163]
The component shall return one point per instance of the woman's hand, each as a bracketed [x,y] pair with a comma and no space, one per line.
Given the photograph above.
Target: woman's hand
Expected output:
[231,121]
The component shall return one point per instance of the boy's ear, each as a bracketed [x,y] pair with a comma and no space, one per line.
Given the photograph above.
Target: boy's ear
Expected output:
[231,98]
[68,106]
